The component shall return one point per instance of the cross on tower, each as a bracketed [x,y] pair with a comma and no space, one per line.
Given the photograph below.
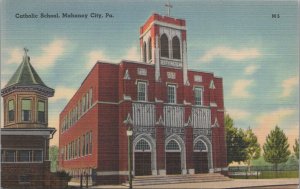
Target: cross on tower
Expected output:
[26,50]
[169,6]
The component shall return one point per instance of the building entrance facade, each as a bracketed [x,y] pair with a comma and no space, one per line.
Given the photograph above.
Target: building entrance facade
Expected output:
[142,158]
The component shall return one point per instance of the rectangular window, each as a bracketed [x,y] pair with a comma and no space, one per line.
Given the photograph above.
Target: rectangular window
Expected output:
[172,94]
[90,146]
[87,144]
[198,95]
[24,155]
[41,111]
[37,155]
[142,91]
[87,104]
[65,151]
[11,110]
[91,96]
[83,145]
[83,105]
[26,110]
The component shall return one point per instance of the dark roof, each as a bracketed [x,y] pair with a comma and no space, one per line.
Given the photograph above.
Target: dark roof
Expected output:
[26,78]
[25,75]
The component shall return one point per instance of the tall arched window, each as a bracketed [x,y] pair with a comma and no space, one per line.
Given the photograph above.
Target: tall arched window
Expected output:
[164,46]
[149,49]
[176,47]
[144,52]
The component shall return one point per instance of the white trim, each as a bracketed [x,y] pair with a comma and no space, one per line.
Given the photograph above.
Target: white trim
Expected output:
[213,104]
[152,143]
[145,83]
[173,26]
[30,132]
[106,102]
[107,173]
[206,150]
[149,144]
[174,86]
[209,145]
[181,143]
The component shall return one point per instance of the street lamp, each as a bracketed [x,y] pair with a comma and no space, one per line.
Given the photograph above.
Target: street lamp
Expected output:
[128,122]
[129,135]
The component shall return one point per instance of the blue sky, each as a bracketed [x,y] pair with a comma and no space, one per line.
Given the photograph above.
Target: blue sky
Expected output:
[255,54]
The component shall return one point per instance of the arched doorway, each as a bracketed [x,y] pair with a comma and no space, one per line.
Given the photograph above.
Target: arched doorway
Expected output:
[173,157]
[142,158]
[201,157]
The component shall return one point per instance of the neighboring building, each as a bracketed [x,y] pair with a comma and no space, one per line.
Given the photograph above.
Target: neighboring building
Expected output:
[177,114]
[25,136]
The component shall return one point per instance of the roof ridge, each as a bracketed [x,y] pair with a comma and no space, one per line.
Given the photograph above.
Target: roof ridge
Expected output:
[29,68]
[20,73]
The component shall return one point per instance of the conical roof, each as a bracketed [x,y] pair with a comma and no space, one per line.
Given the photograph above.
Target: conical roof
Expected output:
[25,75]
[26,78]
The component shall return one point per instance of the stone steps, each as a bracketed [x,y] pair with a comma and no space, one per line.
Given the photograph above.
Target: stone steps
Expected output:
[174,179]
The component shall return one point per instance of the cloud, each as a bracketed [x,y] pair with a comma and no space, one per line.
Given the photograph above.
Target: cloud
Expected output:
[249,70]
[132,54]
[15,56]
[230,54]
[63,93]
[289,85]
[240,88]
[95,55]
[267,121]
[50,54]
[98,54]
[238,114]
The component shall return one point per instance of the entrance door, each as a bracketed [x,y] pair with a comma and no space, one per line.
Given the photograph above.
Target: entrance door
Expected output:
[200,162]
[173,163]
[142,163]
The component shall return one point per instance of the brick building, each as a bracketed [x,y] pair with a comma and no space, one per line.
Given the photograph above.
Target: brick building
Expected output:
[176,114]
[25,136]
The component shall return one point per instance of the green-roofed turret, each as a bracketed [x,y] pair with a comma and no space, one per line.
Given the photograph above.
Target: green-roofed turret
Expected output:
[26,77]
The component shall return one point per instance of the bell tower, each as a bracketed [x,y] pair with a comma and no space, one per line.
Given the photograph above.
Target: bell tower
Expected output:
[163,43]
[25,98]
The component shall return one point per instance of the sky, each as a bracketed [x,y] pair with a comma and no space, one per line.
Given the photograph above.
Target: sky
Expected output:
[255,54]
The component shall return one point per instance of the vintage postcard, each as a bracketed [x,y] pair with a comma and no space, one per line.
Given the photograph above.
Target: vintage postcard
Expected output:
[149,94]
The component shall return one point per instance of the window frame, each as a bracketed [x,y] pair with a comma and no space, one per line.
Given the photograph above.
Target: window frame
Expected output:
[145,92]
[176,50]
[9,111]
[29,111]
[164,53]
[38,112]
[169,95]
[196,89]
[16,155]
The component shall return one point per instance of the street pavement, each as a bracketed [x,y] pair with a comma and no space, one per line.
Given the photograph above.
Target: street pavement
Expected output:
[234,183]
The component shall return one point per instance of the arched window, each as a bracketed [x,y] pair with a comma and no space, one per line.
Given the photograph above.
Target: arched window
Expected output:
[176,47]
[164,46]
[200,146]
[149,49]
[144,52]
[173,146]
[142,145]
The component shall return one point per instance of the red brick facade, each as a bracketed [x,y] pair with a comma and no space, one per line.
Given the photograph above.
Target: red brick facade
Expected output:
[175,114]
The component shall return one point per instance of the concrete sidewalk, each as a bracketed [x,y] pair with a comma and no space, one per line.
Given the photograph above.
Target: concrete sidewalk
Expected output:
[234,183]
